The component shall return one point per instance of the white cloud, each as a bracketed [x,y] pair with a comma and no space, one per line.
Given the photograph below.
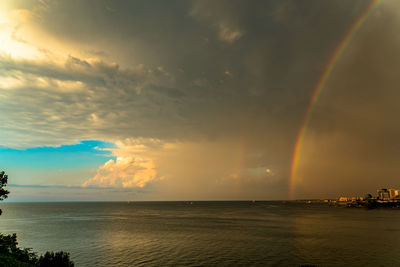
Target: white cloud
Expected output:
[125,172]
[89,97]
[133,167]
[229,34]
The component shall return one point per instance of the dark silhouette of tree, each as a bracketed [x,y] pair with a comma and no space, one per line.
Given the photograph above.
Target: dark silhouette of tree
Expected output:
[9,247]
[59,259]
[11,255]
[3,183]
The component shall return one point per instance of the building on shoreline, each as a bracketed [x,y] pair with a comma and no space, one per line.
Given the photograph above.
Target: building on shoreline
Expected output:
[383,194]
[394,193]
[385,198]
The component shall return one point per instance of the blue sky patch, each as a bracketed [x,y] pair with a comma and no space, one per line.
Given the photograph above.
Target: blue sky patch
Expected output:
[84,155]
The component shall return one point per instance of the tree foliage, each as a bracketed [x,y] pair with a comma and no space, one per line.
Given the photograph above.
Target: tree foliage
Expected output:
[13,256]
[9,247]
[3,183]
[50,259]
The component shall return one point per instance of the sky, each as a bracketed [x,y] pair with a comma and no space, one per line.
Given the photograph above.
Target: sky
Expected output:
[198,100]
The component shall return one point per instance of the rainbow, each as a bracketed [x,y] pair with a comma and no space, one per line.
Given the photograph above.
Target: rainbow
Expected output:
[321,84]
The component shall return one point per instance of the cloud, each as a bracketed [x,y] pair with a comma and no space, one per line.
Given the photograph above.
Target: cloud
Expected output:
[220,17]
[125,172]
[132,168]
[204,80]
[47,100]
[72,193]
[176,170]
[168,79]
[229,35]
[352,145]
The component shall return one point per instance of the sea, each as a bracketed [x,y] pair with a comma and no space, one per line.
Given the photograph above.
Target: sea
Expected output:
[247,233]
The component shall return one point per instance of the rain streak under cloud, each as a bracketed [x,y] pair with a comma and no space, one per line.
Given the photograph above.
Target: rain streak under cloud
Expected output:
[202,100]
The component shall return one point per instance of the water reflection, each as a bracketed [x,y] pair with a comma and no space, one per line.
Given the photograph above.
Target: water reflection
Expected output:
[207,233]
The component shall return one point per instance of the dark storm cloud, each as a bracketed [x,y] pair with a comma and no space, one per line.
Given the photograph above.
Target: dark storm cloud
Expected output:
[184,71]
[272,67]
[353,144]
[76,98]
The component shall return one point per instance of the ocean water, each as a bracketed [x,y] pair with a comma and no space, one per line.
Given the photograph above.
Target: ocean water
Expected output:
[207,233]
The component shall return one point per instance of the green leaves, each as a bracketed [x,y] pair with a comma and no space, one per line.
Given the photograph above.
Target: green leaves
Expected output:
[12,255]
[3,183]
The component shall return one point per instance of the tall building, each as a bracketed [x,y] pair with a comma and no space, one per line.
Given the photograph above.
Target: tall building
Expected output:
[393,193]
[383,194]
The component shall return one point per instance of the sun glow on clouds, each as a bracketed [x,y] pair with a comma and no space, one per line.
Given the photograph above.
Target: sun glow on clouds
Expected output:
[22,37]
[124,172]
[10,42]
[141,161]
[133,166]
[221,86]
